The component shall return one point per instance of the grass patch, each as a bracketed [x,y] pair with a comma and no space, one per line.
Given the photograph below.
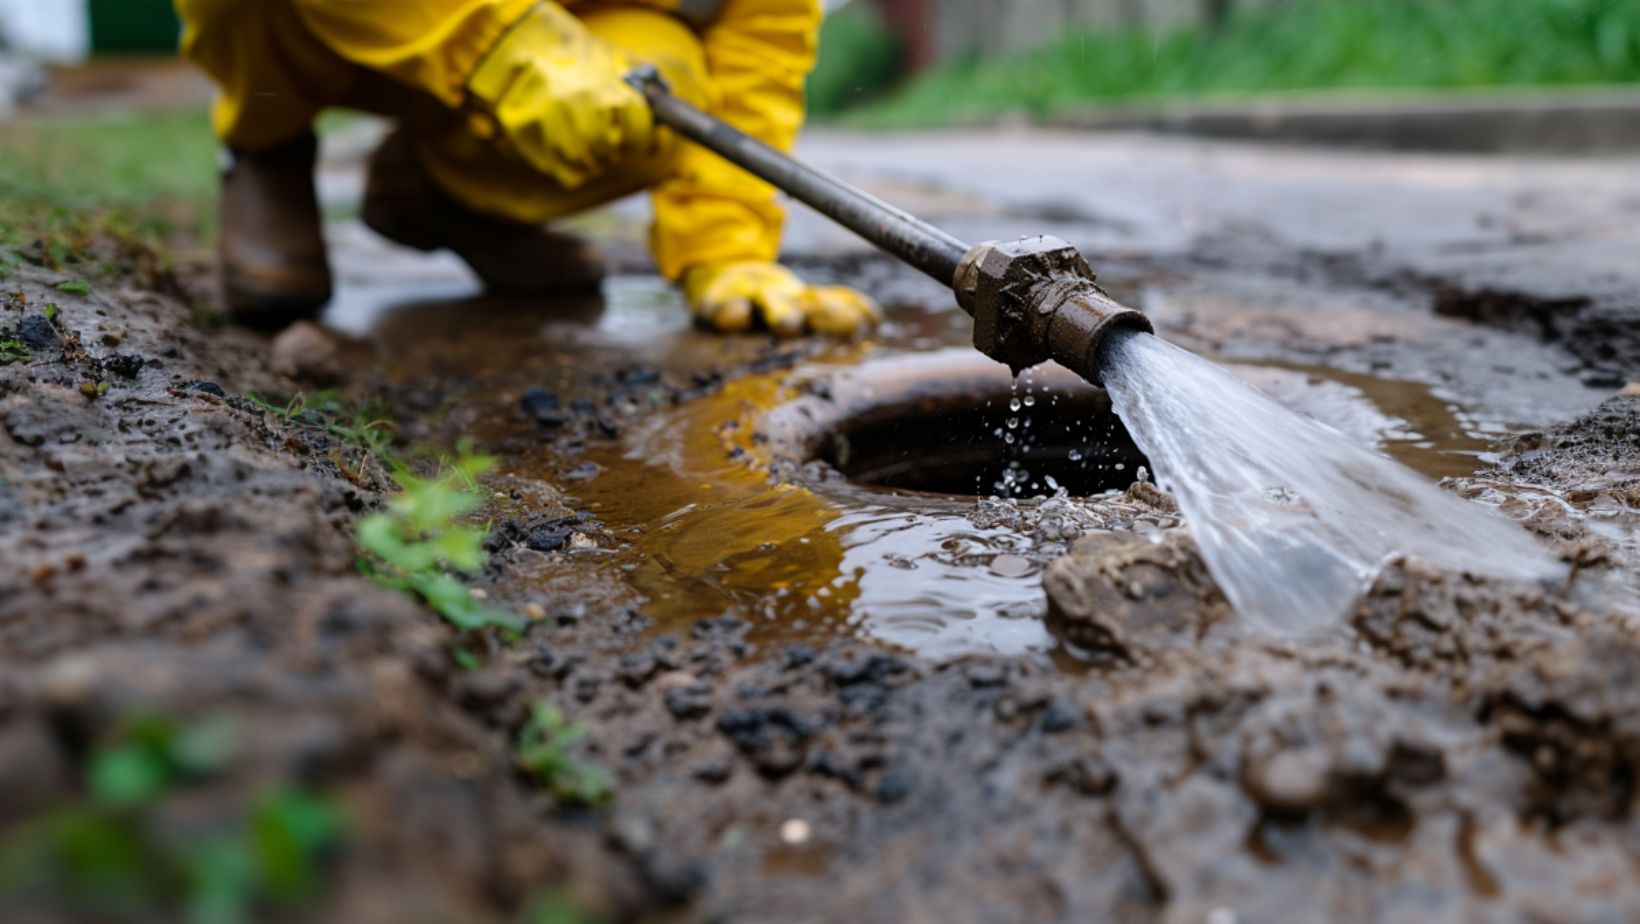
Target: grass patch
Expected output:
[117,851]
[362,425]
[361,430]
[1315,45]
[151,177]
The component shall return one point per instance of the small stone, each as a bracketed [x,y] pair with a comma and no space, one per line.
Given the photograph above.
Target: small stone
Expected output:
[124,365]
[37,332]
[308,353]
[550,537]
[795,831]
[542,406]
[690,702]
[712,771]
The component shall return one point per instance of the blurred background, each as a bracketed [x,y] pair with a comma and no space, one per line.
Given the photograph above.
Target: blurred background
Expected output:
[92,97]
[919,62]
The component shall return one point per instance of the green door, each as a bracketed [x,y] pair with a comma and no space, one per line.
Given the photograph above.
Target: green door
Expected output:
[132,26]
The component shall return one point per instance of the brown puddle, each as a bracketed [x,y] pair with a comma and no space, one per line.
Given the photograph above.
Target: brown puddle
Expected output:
[717,514]
[709,508]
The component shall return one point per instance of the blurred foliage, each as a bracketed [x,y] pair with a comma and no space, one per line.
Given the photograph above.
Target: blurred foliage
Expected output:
[546,749]
[135,844]
[556,907]
[151,176]
[859,59]
[1297,45]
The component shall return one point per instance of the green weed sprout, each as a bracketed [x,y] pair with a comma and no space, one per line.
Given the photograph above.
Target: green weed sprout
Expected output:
[418,546]
[545,749]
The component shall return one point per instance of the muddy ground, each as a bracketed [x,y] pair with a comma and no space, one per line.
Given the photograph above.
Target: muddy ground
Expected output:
[1461,750]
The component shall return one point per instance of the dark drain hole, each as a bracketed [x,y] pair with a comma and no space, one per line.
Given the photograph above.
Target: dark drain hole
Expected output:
[955,445]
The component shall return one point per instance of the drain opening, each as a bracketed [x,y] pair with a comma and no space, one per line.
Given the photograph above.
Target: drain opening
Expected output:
[938,423]
[959,444]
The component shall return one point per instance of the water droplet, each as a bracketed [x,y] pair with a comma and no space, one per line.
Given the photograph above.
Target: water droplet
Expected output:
[1013,404]
[1030,400]
[1076,455]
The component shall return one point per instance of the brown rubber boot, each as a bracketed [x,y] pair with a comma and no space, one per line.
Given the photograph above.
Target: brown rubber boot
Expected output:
[274,269]
[402,204]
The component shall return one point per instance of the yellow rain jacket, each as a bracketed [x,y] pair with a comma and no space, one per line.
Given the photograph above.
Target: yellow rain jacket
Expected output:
[278,63]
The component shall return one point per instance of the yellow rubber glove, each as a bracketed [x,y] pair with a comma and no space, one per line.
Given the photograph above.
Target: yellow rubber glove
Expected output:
[555,94]
[731,297]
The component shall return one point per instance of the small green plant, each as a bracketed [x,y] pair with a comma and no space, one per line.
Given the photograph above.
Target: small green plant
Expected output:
[74,287]
[546,750]
[13,350]
[110,853]
[418,545]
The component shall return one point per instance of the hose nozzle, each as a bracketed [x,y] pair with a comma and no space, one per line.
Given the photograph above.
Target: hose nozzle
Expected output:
[1035,299]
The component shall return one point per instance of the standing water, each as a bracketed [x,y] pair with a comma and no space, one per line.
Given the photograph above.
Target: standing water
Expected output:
[1293,518]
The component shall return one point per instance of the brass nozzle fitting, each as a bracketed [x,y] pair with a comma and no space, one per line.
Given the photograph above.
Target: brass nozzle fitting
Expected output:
[1035,299]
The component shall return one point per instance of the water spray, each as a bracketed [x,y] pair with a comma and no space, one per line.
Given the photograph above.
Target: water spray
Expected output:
[1032,300]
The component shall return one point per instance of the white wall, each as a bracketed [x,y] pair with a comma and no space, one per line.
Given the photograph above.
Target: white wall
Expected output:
[53,29]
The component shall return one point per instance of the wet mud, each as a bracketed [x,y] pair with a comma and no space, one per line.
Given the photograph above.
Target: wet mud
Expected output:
[825,692]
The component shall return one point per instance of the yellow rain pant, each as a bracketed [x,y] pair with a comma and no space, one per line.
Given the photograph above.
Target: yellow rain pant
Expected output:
[278,63]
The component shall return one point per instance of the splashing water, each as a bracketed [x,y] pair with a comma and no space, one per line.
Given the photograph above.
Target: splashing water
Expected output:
[1293,519]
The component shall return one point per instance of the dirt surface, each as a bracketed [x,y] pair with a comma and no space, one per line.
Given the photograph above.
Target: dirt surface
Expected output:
[1461,750]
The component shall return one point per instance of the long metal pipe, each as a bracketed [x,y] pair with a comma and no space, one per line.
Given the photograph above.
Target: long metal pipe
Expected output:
[900,233]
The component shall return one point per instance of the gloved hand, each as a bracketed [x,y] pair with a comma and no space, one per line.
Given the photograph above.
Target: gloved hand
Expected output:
[555,93]
[729,297]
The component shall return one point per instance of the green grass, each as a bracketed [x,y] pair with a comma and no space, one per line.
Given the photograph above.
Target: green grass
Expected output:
[362,425]
[1310,45]
[151,176]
